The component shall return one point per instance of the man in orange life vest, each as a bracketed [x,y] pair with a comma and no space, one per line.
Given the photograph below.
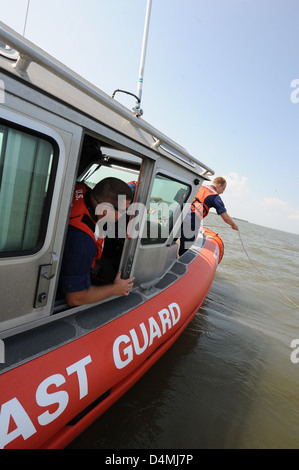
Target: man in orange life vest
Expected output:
[206,198]
[84,243]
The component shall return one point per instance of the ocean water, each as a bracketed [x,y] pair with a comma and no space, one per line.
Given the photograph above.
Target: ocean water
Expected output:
[229,381]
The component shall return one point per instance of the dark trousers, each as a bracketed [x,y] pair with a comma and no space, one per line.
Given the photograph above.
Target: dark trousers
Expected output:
[189,231]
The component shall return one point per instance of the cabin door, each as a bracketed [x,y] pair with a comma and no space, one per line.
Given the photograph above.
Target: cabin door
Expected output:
[157,246]
[33,164]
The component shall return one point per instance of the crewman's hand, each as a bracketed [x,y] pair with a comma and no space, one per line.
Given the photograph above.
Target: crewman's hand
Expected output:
[123,286]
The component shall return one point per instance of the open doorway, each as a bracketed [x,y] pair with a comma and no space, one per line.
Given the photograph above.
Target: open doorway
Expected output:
[98,161]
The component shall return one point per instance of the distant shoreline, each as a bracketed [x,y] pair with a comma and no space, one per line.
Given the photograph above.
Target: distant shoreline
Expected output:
[235,218]
[242,220]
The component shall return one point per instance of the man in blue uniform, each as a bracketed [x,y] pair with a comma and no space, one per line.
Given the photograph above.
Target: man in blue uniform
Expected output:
[84,243]
[206,198]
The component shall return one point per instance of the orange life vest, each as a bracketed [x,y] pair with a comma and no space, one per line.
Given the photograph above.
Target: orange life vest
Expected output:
[198,205]
[134,183]
[81,219]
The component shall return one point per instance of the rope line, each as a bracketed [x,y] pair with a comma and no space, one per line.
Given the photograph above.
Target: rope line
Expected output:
[262,274]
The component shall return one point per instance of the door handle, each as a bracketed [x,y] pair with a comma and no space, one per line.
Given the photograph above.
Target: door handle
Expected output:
[46,273]
[50,273]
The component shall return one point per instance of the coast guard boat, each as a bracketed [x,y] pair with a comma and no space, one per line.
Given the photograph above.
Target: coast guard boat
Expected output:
[62,367]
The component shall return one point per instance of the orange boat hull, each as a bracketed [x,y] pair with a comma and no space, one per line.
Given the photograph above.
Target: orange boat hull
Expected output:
[48,401]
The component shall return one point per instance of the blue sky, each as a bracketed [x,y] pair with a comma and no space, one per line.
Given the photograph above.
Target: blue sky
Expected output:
[217,80]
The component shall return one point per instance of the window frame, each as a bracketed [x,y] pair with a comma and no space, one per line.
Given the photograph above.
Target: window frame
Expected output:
[147,241]
[51,184]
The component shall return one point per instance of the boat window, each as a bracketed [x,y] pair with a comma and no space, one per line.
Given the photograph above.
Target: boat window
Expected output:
[26,173]
[167,198]
[113,162]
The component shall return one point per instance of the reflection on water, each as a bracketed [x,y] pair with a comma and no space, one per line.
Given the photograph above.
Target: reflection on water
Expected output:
[228,381]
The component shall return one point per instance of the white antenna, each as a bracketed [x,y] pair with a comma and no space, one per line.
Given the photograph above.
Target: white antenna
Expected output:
[137,111]
[25,24]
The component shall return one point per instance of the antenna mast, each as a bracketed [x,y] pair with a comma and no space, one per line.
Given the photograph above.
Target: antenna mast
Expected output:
[25,24]
[137,110]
